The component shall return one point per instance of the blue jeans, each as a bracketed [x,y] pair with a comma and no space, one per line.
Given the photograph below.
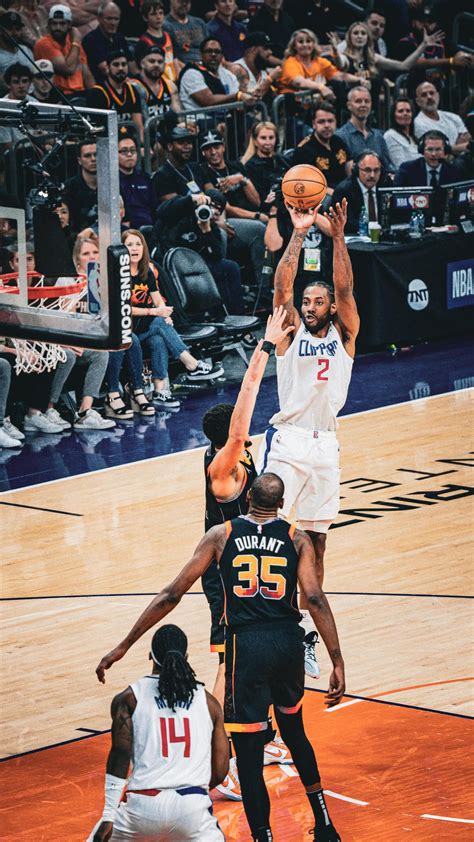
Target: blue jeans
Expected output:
[226,274]
[134,358]
[163,342]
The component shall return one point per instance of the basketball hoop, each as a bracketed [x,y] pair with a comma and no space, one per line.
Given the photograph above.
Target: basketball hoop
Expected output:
[32,356]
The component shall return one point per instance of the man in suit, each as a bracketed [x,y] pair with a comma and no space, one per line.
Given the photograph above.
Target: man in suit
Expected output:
[432,170]
[360,189]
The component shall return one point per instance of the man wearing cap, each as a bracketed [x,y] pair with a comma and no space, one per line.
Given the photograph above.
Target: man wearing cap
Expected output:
[245,228]
[105,39]
[136,188]
[251,69]
[9,52]
[178,176]
[228,31]
[42,90]
[64,49]
[161,94]
[153,13]
[117,93]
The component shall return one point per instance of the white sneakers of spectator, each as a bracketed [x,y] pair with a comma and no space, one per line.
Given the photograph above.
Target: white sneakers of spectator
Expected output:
[9,435]
[54,416]
[52,422]
[38,422]
[93,420]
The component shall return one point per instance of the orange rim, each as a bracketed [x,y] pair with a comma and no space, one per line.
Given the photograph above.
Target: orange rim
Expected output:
[44,291]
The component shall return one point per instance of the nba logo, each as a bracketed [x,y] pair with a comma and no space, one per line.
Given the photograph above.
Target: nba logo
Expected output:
[93,294]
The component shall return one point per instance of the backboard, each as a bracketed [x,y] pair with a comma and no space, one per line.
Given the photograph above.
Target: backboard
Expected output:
[41,158]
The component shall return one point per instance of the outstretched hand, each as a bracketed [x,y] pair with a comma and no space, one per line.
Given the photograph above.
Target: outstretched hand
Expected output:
[274,331]
[436,39]
[107,661]
[302,219]
[335,220]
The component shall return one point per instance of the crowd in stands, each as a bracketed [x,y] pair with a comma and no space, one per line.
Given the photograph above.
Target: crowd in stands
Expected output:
[371,99]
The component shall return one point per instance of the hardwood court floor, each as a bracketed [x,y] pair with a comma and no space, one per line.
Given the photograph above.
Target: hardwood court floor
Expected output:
[398,575]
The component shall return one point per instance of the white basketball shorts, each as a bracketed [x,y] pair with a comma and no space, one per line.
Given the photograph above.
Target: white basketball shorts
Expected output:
[167,816]
[308,463]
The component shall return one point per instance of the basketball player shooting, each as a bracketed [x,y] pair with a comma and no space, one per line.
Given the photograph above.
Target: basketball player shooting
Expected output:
[314,366]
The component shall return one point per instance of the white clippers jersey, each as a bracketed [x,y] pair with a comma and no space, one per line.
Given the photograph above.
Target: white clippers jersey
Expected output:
[170,750]
[313,378]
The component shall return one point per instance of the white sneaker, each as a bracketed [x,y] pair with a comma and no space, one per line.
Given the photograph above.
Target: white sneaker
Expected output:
[38,423]
[93,420]
[276,752]
[56,418]
[230,786]
[311,665]
[205,371]
[8,441]
[12,431]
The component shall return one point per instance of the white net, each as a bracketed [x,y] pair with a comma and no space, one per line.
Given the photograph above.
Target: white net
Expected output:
[33,356]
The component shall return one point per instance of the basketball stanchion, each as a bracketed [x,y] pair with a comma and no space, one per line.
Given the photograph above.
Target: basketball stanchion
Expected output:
[34,357]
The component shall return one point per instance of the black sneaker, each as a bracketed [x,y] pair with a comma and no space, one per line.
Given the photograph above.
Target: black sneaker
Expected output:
[165,400]
[325,834]
[205,371]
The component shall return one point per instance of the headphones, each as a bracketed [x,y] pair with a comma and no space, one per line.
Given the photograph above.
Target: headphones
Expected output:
[433,134]
[360,157]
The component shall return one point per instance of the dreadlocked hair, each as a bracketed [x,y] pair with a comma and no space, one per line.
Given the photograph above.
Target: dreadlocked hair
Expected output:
[216,422]
[177,679]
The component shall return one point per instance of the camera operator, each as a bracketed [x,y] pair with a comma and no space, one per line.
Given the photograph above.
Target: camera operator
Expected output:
[191,222]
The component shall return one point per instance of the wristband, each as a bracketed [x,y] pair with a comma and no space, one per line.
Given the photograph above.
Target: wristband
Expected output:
[268,346]
[113,794]
[238,96]
[451,61]
[257,215]
[272,215]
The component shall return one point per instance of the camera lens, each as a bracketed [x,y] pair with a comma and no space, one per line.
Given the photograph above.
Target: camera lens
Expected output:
[203,213]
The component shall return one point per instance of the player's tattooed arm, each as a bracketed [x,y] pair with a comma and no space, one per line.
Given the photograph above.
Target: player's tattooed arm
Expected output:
[284,281]
[120,754]
[347,315]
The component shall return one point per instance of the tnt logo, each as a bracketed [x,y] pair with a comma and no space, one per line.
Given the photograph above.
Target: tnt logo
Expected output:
[418,296]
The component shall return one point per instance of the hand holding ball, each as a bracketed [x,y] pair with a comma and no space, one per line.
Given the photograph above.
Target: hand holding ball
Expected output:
[304,187]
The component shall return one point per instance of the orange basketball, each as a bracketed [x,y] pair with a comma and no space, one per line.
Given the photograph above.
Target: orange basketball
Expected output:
[304,186]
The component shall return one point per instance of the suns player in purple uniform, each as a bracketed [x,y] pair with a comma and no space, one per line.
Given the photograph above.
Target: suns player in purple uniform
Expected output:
[261,558]
[314,366]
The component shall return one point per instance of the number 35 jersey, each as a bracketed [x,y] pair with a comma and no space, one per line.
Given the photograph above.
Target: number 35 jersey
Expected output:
[258,567]
[313,379]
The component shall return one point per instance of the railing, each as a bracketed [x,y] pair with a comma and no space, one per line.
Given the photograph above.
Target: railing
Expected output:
[234,120]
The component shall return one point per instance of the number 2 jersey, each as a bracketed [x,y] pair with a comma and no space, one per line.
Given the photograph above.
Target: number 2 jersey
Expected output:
[170,749]
[313,378]
[258,568]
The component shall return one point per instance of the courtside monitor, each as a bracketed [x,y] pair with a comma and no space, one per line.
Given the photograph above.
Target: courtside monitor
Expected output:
[460,204]
[57,287]
[398,204]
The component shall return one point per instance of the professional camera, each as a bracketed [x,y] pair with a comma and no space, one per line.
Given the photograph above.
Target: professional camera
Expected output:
[203,213]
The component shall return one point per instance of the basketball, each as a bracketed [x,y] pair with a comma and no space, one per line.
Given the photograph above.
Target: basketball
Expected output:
[304,186]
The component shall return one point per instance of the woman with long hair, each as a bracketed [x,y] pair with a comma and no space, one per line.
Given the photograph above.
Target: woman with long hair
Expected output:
[264,165]
[400,138]
[153,324]
[360,58]
[305,69]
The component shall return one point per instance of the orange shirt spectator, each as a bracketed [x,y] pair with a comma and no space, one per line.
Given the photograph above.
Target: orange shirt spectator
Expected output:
[320,70]
[62,46]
